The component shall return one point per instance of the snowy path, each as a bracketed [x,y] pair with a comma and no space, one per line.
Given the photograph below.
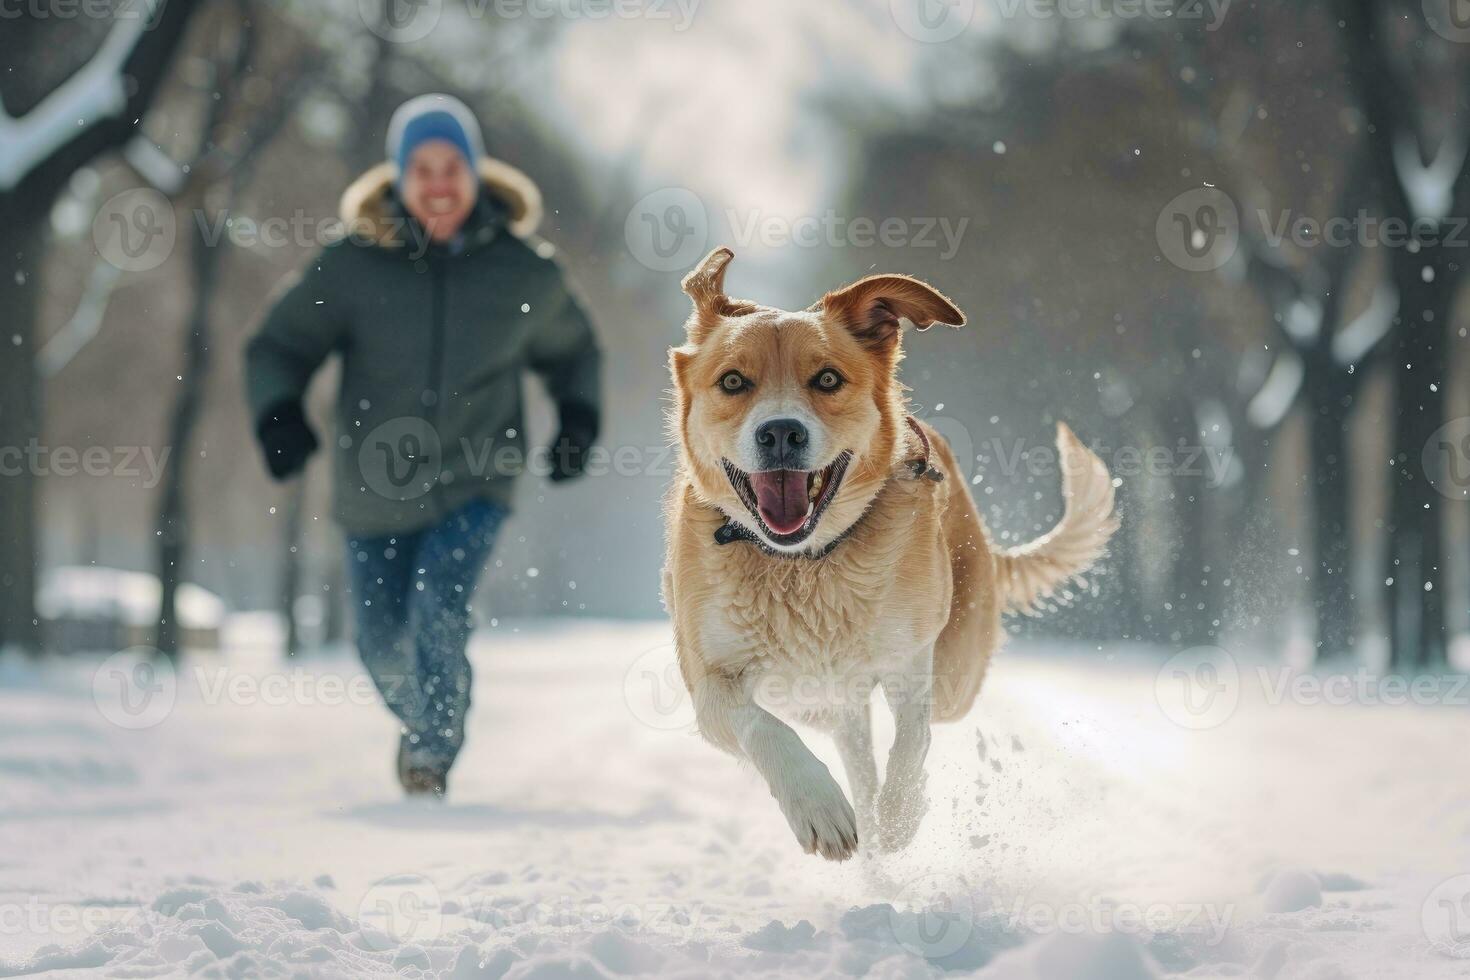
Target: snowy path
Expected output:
[255,829]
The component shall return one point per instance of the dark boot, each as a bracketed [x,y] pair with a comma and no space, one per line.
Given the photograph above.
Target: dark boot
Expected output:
[420,778]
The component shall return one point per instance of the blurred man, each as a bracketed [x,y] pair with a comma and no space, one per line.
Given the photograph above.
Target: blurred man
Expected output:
[436,300]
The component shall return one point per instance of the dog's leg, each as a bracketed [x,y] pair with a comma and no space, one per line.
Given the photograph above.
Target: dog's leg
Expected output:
[801,784]
[852,731]
[901,802]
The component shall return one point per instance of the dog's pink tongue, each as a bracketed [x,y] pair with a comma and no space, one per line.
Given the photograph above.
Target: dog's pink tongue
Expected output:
[781,495]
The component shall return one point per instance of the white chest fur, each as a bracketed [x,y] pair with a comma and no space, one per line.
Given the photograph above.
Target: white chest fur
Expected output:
[807,635]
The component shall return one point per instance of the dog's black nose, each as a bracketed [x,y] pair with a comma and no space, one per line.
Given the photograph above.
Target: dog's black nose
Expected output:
[782,442]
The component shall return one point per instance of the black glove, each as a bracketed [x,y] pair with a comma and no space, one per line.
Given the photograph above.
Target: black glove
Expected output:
[569,450]
[285,438]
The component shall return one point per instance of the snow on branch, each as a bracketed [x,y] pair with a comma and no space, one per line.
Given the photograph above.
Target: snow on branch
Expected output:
[1430,189]
[1302,321]
[96,91]
[161,171]
[84,324]
[1278,394]
[1353,342]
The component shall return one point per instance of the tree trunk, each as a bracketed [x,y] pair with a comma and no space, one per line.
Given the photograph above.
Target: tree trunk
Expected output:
[291,567]
[1192,598]
[24,208]
[21,248]
[1329,400]
[1417,625]
[173,519]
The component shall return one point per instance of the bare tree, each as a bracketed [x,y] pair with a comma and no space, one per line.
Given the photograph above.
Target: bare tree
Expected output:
[220,169]
[1419,196]
[45,136]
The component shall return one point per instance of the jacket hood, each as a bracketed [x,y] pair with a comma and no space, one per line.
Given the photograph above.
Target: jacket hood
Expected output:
[367,199]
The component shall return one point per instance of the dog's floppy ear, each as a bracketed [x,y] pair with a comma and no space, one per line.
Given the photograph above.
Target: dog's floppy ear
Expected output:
[706,287]
[871,308]
[706,284]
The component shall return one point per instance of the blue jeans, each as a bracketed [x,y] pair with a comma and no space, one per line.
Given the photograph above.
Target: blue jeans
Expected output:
[412,594]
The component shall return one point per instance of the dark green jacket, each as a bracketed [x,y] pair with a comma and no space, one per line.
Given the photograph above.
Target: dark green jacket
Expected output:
[433,341]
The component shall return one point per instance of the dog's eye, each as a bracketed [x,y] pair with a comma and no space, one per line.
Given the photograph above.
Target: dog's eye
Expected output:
[733,382]
[827,380]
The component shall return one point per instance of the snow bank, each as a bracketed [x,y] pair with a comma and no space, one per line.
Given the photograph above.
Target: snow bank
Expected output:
[92,592]
[1074,831]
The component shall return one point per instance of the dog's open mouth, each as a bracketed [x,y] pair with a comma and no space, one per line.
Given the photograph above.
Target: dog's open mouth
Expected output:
[788,503]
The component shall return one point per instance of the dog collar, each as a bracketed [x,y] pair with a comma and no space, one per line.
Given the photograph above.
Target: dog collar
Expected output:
[918,468]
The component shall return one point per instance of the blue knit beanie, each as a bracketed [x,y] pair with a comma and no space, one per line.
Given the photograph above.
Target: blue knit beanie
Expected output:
[432,117]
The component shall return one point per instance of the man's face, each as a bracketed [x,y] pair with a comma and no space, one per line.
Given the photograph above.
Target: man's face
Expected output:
[439,188]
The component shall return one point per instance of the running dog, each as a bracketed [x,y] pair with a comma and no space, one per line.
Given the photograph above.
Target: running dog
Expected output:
[820,545]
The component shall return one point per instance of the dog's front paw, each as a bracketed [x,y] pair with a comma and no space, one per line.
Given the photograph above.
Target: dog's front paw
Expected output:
[821,817]
[901,808]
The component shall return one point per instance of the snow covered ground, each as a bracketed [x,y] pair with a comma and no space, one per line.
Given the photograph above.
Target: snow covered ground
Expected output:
[1094,817]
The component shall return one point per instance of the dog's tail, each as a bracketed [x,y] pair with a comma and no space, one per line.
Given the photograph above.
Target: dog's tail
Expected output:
[1035,571]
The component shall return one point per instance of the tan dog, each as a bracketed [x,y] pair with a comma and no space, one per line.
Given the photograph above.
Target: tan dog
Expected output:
[819,545]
